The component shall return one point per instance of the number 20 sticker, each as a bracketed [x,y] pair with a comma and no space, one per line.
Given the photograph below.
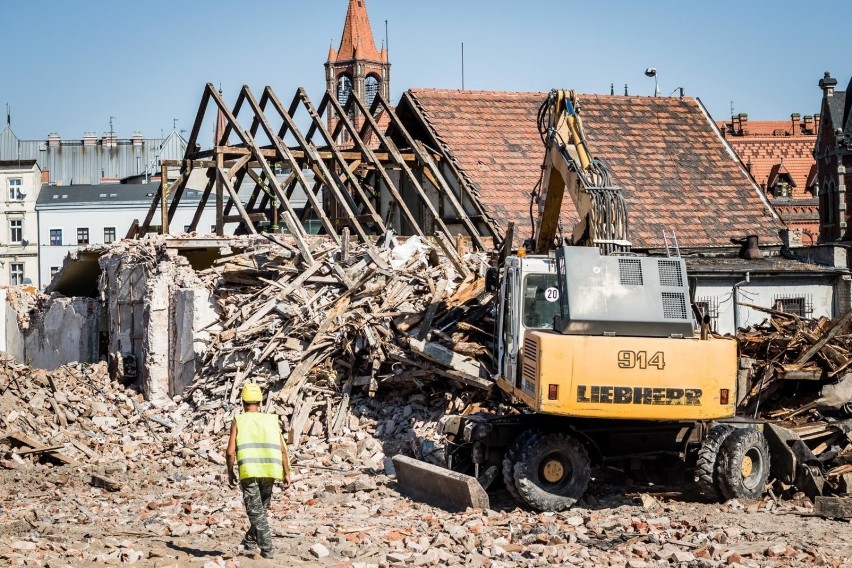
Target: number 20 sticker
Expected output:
[551,294]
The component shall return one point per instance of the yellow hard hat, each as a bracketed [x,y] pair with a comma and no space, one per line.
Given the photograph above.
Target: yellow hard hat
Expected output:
[251,393]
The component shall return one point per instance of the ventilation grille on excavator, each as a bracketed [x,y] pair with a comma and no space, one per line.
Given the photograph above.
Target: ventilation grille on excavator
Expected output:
[630,271]
[670,273]
[674,305]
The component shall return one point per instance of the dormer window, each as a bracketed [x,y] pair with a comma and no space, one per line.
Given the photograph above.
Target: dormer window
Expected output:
[782,189]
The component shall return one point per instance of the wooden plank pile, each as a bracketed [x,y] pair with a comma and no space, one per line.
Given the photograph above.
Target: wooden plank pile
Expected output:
[798,372]
[312,321]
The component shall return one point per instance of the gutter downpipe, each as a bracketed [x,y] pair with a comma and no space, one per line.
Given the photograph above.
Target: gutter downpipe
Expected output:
[735,291]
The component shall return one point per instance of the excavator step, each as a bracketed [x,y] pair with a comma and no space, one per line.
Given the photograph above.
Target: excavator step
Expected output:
[438,486]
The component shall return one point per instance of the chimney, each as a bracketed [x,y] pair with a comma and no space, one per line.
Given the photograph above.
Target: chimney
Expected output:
[795,118]
[45,176]
[735,125]
[827,84]
[89,139]
[743,124]
[54,140]
[816,123]
[808,124]
[137,139]
[110,140]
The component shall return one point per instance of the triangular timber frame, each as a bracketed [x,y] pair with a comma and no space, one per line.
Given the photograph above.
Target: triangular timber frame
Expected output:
[347,177]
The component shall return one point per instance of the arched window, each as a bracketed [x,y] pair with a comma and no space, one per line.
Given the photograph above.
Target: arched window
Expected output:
[371,86]
[344,87]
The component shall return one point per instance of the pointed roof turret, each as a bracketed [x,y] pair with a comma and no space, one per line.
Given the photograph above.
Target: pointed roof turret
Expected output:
[357,39]
[332,54]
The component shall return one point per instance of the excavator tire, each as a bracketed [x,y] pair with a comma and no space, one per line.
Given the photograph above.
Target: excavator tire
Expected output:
[743,464]
[708,456]
[552,471]
[510,457]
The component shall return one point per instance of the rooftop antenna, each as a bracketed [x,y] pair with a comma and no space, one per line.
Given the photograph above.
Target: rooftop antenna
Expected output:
[462,62]
[387,41]
[111,131]
[612,88]
[174,124]
[8,115]
[732,108]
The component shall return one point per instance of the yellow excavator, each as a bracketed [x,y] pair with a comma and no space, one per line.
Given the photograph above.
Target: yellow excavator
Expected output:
[602,351]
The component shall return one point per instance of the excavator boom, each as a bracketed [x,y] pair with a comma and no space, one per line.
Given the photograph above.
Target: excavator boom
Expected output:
[569,165]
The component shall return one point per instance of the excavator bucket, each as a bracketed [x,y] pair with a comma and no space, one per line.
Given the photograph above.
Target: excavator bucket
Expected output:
[438,486]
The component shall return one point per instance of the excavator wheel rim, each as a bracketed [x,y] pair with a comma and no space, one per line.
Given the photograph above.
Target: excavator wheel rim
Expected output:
[746,467]
[553,471]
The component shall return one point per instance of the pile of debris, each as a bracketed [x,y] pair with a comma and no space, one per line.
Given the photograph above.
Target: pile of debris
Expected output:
[799,378]
[73,415]
[314,322]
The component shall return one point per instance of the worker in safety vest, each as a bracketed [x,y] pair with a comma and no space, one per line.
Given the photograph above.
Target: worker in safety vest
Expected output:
[260,453]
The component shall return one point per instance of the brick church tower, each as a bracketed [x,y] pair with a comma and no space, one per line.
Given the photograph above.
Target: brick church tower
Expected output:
[357,65]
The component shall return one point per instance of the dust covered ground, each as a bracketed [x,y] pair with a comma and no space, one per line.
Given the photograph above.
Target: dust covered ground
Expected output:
[352,515]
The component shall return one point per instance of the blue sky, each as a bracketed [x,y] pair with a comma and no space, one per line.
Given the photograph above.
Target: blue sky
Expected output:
[70,65]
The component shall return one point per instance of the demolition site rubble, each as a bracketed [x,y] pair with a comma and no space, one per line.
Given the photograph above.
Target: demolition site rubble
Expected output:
[362,350]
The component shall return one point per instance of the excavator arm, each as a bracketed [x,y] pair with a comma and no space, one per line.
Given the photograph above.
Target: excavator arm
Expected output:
[568,165]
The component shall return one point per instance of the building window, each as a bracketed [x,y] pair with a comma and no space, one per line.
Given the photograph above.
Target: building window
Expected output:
[782,189]
[15,193]
[16,231]
[109,235]
[212,228]
[53,271]
[795,305]
[371,89]
[56,237]
[16,274]
[82,236]
[709,306]
[186,228]
[344,87]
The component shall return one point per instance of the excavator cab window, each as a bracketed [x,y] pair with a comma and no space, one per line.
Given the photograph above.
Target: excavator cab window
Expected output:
[541,301]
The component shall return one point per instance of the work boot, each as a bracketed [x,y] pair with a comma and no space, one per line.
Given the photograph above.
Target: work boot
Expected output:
[267,553]
[249,543]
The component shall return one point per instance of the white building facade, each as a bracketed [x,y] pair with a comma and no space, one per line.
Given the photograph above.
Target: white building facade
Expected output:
[20,181]
[73,216]
[725,290]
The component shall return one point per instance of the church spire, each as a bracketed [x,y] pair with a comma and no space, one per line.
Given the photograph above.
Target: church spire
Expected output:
[357,35]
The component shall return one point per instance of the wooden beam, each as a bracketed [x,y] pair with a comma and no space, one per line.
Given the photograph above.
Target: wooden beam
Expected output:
[164,191]
[342,161]
[826,337]
[202,203]
[380,171]
[389,146]
[284,154]
[236,200]
[248,140]
[220,196]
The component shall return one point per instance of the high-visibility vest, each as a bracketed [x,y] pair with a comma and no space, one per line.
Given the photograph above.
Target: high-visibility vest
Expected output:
[259,446]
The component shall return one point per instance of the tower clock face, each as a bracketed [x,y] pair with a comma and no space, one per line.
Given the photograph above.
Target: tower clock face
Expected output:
[344,87]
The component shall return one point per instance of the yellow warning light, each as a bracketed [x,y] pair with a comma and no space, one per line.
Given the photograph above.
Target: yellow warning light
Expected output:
[522,252]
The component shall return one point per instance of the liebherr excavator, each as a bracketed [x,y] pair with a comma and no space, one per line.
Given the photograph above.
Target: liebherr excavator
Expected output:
[602,349]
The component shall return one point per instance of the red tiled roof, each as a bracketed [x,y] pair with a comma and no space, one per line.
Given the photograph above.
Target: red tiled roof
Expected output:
[676,171]
[765,153]
[357,40]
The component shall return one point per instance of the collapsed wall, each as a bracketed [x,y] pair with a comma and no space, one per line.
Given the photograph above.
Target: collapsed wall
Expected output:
[157,310]
[48,332]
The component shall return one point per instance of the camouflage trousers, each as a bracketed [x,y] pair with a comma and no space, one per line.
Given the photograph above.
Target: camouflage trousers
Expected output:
[257,493]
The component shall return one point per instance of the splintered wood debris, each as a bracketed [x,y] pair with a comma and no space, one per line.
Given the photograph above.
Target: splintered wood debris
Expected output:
[314,321]
[797,375]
